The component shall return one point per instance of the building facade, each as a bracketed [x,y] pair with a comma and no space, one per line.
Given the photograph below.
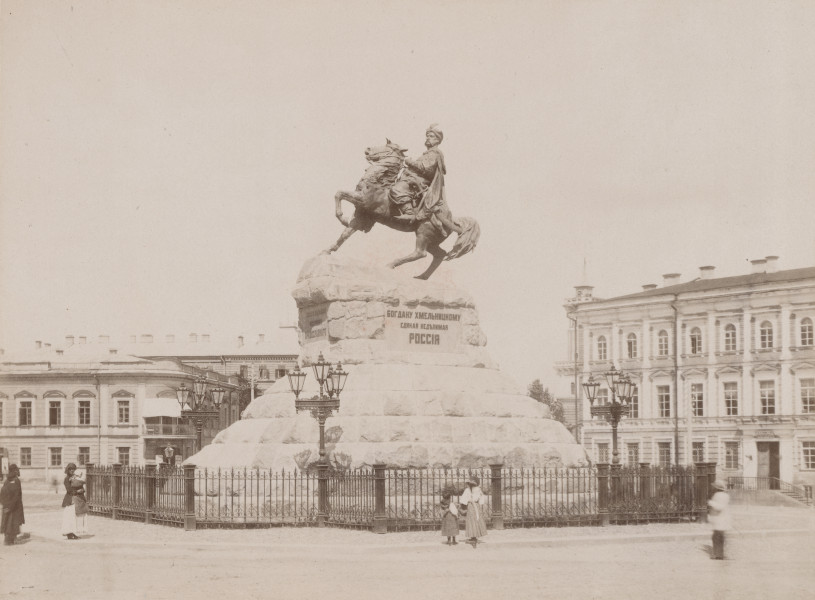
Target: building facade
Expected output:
[724,371]
[58,407]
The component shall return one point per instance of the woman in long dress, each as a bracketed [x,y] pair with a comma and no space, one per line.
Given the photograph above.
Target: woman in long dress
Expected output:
[68,510]
[11,497]
[80,502]
[474,500]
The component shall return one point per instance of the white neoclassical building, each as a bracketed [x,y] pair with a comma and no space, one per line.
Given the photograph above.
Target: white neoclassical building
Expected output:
[724,369]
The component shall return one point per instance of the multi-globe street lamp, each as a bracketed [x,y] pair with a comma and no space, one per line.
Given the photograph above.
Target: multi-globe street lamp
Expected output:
[618,407]
[331,380]
[197,407]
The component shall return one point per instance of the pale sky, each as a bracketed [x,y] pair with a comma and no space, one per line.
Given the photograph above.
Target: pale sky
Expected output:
[168,166]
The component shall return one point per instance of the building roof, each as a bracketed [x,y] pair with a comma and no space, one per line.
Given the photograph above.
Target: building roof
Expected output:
[704,285]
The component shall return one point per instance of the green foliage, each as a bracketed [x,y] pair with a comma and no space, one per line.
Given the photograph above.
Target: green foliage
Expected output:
[543,395]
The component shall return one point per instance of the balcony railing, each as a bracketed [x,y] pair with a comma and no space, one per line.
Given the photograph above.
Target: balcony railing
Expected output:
[168,429]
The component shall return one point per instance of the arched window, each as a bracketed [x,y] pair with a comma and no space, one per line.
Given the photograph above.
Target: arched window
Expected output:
[662,343]
[631,345]
[765,333]
[696,341]
[806,332]
[602,348]
[730,338]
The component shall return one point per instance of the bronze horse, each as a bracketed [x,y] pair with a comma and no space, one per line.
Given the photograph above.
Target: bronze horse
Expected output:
[373,205]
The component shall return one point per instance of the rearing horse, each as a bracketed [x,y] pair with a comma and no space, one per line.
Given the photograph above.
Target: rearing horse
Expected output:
[372,205]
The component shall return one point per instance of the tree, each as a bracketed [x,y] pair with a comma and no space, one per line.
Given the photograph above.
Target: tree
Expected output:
[544,396]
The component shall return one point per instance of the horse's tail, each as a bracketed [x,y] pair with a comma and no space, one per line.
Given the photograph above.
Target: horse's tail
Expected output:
[467,239]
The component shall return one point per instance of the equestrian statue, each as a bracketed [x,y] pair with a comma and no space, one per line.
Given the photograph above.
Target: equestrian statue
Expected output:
[408,195]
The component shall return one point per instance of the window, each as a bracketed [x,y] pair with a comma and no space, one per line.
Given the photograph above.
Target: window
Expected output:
[731,398]
[25,412]
[697,397]
[264,373]
[696,341]
[664,449]
[124,412]
[1,414]
[602,348]
[54,412]
[84,416]
[55,457]
[662,343]
[808,395]
[83,456]
[664,400]
[124,456]
[730,338]
[631,345]
[731,455]
[280,372]
[765,332]
[25,457]
[602,452]
[806,332]
[633,454]
[766,391]
[602,396]
[808,455]
[698,452]
[635,403]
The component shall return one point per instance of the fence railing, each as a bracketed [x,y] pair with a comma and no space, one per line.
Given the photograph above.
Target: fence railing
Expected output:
[390,499]
[801,493]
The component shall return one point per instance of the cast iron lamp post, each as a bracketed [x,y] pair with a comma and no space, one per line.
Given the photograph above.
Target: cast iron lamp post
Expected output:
[327,402]
[323,405]
[619,406]
[197,407]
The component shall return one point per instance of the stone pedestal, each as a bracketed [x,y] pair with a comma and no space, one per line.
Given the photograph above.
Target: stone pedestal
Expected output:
[422,390]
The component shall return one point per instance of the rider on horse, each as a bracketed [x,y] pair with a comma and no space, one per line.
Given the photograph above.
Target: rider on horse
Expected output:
[419,192]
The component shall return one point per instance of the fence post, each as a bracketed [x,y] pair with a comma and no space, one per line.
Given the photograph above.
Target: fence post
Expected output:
[645,483]
[117,489]
[189,497]
[616,492]
[322,494]
[701,490]
[90,485]
[602,493]
[380,518]
[149,492]
[497,508]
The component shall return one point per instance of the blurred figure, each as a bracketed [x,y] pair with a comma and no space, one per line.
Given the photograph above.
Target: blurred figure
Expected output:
[79,500]
[68,510]
[719,517]
[11,497]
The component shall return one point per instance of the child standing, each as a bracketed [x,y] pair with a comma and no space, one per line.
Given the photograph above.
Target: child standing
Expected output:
[449,520]
[79,501]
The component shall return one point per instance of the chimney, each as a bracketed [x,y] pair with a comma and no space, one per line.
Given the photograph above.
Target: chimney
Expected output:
[59,352]
[146,338]
[193,337]
[240,341]
[261,338]
[170,339]
[706,272]
[772,263]
[759,265]
[205,337]
[104,339]
[47,346]
[38,344]
[670,279]
[69,340]
[113,350]
[82,339]
[649,286]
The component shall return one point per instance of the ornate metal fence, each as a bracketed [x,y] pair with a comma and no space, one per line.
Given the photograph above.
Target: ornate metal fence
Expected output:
[384,499]
[255,497]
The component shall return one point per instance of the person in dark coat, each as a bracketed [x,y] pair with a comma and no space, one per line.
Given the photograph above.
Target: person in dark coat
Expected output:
[11,497]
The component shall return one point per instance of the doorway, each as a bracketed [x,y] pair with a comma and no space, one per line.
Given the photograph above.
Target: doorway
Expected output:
[768,464]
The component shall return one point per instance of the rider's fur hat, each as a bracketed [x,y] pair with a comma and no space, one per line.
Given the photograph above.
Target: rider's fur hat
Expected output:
[435,129]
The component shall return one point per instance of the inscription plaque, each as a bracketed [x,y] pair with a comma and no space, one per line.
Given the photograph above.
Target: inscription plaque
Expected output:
[422,330]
